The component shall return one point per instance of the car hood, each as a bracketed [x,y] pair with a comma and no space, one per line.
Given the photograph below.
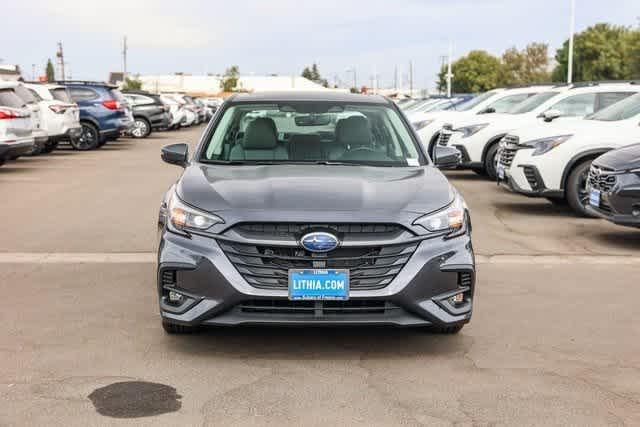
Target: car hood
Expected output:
[314,190]
[621,159]
[591,129]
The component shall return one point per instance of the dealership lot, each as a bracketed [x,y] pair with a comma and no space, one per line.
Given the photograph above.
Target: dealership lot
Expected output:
[553,340]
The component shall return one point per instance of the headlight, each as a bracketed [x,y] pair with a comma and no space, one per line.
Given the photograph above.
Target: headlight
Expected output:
[184,217]
[545,145]
[467,131]
[451,218]
[422,124]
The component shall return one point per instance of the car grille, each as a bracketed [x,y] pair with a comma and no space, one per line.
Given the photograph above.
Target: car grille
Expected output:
[444,138]
[601,179]
[267,267]
[316,308]
[508,150]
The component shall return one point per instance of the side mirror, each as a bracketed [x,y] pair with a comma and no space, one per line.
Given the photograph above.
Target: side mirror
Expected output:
[551,115]
[488,110]
[176,154]
[446,157]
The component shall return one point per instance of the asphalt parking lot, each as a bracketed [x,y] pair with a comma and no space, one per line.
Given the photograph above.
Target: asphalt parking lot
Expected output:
[554,338]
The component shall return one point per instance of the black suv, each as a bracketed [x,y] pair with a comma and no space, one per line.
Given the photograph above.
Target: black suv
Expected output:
[313,208]
[149,113]
[613,184]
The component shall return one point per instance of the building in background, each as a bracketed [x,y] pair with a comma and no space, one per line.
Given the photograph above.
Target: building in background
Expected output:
[9,72]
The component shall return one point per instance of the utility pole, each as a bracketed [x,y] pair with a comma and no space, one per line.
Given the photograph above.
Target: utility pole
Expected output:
[411,79]
[395,78]
[124,57]
[60,60]
[572,24]
[449,74]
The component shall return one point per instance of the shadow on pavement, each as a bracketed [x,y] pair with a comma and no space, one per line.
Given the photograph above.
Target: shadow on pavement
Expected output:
[624,238]
[535,208]
[318,342]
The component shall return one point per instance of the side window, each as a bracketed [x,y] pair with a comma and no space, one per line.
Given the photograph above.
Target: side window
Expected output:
[606,99]
[83,94]
[505,104]
[577,105]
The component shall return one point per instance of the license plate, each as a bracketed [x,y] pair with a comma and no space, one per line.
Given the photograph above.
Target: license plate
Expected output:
[594,198]
[317,284]
[500,171]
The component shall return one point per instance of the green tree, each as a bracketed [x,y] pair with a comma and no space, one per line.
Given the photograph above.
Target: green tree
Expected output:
[632,54]
[600,53]
[229,81]
[530,65]
[313,73]
[50,71]
[131,84]
[479,71]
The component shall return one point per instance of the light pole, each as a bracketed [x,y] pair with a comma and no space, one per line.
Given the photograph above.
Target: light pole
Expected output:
[572,24]
[355,77]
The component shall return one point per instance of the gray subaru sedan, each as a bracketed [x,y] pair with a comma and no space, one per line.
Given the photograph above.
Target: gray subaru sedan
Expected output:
[313,208]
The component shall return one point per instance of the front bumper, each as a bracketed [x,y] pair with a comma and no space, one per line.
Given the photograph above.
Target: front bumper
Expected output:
[618,204]
[534,187]
[215,293]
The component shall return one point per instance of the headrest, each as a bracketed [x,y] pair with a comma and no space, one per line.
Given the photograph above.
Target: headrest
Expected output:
[353,130]
[260,135]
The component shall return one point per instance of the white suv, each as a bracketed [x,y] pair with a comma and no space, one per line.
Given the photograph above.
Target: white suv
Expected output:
[478,137]
[428,124]
[16,134]
[39,134]
[553,160]
[59,115]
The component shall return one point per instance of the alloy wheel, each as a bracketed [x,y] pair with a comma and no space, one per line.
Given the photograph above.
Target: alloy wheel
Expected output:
[140,129]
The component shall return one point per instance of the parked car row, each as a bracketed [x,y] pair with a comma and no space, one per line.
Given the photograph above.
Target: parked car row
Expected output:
[36,117]
[549,144]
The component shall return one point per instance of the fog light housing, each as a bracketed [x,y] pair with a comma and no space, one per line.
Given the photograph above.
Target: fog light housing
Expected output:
[457,299]
[175,297]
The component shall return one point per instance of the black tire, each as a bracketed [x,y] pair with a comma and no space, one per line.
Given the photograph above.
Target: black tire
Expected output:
[490,162]
[2,162]
[49,147]
[575,190]
[175,329]
[446,330]
[89,138]
[141,128]
[480,172]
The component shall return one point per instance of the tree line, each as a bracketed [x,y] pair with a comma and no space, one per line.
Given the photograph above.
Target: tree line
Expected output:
[601,52]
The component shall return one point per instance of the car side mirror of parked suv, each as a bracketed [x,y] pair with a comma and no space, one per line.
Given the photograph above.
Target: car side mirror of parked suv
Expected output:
[446,157]
[551,115]
[176,154]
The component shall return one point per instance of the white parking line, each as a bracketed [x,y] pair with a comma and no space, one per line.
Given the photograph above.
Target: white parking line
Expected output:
[150,257]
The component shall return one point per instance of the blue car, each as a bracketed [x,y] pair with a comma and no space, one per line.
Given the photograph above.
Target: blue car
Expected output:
[104,113]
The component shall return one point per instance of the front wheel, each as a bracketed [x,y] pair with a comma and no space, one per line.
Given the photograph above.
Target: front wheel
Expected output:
[89,138]
[490,162]
[141,128]
[576,191]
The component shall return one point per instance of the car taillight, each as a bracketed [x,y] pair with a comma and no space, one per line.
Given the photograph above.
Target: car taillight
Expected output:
[112,105]
[6,114]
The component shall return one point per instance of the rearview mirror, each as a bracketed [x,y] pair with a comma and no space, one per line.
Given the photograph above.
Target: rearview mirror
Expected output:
[176,154]
[551,115]
[446,157]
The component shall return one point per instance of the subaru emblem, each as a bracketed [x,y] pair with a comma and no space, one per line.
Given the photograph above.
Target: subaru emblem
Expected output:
[319,242]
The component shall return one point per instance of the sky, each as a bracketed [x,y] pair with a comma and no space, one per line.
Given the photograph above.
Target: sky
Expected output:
[282,36]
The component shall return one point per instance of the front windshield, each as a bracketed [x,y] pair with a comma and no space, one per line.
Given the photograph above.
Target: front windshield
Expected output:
[312,132]
[532,103]
[625,109]
[466,106]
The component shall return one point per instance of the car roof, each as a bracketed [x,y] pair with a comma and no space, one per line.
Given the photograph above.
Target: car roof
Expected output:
[319,96]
